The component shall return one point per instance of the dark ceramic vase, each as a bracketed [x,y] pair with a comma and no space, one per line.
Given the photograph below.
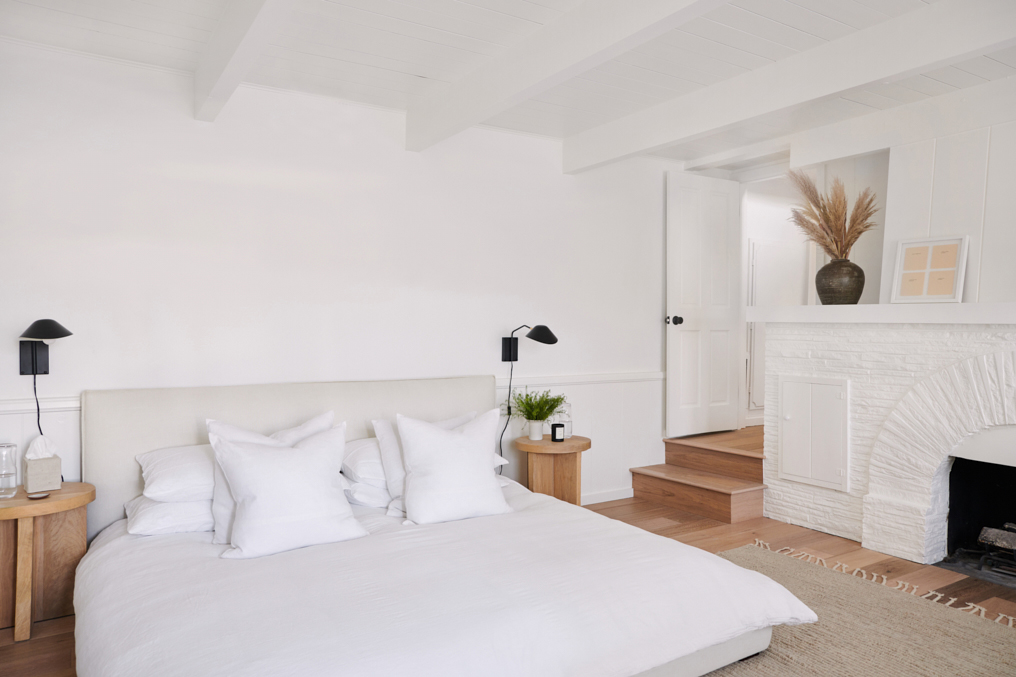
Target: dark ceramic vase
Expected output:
[839,282]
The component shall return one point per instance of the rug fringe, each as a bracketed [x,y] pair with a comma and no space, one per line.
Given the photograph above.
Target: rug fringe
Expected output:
[932,595]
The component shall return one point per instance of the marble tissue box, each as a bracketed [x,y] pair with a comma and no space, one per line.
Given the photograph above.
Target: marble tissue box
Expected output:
[42,474]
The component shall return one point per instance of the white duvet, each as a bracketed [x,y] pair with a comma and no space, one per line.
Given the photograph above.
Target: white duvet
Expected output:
[550,589]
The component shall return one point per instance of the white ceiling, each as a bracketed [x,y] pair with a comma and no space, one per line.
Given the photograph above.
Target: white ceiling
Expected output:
[390,52]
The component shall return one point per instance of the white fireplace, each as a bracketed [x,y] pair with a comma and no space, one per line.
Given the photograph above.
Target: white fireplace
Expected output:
[920,394]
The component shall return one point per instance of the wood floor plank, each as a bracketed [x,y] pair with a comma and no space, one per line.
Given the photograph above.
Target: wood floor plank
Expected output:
[895,569]
[860,558]
[51,656]
[976,591]
[621,502]
[997,605]
[932,578]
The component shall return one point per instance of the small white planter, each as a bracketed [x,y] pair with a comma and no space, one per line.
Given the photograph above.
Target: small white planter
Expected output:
[535,430]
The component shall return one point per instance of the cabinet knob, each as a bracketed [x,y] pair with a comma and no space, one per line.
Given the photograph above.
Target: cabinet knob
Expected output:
[787,417]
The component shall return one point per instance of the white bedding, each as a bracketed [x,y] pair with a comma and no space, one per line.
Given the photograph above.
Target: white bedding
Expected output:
[549,589]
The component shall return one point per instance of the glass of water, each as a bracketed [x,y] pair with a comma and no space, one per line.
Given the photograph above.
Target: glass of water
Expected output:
[8,470]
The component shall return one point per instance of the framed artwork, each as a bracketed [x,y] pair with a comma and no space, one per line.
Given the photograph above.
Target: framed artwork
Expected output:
[930,270]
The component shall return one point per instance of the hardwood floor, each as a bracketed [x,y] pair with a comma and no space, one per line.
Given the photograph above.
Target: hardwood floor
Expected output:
[50,652]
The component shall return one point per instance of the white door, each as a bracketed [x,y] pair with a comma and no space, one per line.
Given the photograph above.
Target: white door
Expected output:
[705,344]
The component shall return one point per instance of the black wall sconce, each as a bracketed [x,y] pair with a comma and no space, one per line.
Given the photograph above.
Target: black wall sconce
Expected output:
[35,354]
[510,344]
[510,353]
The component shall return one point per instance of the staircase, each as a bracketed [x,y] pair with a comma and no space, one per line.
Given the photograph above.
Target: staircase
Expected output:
[717,475]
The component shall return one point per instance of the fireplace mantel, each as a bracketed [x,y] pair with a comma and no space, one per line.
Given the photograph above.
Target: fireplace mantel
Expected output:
[888,313]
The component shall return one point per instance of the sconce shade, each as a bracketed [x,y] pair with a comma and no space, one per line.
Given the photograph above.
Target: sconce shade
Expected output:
[46,329]
[539,333]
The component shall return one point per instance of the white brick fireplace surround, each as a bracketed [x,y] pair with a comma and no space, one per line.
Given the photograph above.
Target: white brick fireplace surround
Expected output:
[917,390]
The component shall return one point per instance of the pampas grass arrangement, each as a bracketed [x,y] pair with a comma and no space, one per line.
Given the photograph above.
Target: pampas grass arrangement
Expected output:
[825,219]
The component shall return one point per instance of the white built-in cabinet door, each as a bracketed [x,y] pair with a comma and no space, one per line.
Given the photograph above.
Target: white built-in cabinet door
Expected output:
[814,431]
[705,326]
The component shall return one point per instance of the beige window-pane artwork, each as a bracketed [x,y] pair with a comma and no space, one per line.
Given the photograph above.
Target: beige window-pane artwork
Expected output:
[930,270]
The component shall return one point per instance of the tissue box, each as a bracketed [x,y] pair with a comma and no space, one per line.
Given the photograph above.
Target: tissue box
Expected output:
[42,474]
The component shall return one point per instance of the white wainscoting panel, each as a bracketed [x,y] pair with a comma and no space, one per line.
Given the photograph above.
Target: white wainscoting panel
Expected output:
[61,421]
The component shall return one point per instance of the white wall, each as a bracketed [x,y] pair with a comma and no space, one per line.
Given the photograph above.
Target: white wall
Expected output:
[960,184]
[295,240]
[857,173]
[780,274]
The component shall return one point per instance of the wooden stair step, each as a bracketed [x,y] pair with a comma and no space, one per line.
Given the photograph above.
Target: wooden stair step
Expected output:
[712,445]
[688,453]
[720,497]
[721,484]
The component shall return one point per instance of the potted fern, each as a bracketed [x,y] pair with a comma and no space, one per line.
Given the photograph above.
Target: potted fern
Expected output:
[826,221]
[536,408]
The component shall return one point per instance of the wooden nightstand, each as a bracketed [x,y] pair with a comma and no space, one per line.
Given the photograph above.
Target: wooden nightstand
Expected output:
[555,468]
[41,543]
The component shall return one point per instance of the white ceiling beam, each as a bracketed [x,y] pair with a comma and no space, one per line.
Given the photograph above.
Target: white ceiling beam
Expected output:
[591,34]
[985,105]
[243,32]
[936,36]
[755,151]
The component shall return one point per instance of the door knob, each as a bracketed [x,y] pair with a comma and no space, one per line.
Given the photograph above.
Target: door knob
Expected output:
[678,319]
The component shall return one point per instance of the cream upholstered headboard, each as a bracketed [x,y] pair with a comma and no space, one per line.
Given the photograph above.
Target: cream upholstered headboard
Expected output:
[117,425]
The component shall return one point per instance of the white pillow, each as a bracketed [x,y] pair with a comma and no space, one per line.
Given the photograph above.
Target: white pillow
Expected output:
[448,471]
[397,506]
[362,463]
[365,494]
[285,498]
[391,450]
[146,517]
[178,473]
[223,505]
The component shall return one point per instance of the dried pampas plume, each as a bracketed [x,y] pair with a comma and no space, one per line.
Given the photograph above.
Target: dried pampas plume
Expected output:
[825,219]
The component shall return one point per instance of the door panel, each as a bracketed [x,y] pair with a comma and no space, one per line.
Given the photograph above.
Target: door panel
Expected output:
[688,342]
[827,438]
[795,429]
[704,353]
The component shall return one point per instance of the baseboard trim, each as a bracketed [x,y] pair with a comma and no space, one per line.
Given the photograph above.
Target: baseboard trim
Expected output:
[604,496]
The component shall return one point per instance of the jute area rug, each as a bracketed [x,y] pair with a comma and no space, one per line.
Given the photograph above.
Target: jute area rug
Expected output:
[868,629]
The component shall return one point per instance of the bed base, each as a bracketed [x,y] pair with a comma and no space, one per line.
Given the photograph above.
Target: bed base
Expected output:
[714,657]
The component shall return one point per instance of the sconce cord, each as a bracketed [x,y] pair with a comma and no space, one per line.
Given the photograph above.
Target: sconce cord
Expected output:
[500,443]
[38,411]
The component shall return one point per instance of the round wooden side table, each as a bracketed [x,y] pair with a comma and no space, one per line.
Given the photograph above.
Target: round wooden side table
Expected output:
[555,468]
[51,537]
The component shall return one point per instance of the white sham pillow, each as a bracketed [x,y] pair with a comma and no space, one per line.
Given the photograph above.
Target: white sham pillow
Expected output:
[178,474]
[448,472]
[146,517]
[223,505]
[364,494]
[285,498]
[397,506]
[362,463]
[391,450]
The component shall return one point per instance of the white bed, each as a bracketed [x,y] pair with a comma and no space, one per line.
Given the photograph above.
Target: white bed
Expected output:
[549,589]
